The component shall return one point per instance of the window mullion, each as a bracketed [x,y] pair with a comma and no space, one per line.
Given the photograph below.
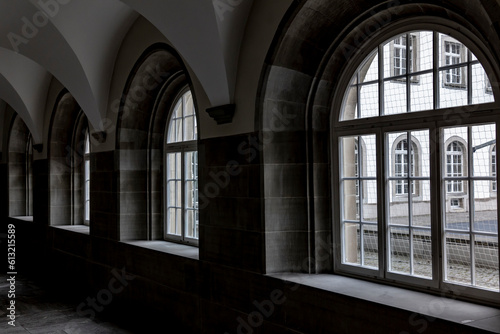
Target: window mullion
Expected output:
[470,186]
[409,152]
[435,68]
[381,80]
[382,183]
[408,90]
[469,77]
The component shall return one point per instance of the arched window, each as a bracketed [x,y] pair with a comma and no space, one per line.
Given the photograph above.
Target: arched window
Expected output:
[29,176]
[181,172]
[402,92]
[86,178]
[455,167]
[403,165]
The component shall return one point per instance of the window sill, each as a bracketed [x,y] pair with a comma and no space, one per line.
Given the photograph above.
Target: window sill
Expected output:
[83,229]
[186,251]
[461,312]
[23,218]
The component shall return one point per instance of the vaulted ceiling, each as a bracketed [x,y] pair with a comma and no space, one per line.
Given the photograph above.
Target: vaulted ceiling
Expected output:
[77,42]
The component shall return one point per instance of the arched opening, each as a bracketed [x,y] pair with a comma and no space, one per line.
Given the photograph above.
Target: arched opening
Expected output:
[20,169]
[150,94]
[65,153]
[330,85]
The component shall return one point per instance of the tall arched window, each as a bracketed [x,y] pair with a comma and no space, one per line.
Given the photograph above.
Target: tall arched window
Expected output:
[404,162]
[455,166]
[86,179]
[29,176]
[181,172]
[402,92]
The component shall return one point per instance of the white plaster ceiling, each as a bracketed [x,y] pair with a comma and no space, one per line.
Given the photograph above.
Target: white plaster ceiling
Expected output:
[77,42]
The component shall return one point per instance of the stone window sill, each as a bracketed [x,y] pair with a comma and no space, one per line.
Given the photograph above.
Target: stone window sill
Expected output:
[83,229]
[470,315]
[23,218]
[172,248]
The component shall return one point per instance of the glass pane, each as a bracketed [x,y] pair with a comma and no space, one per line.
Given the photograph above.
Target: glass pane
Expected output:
[350,200]
[455,154]
[350,157]
[485,208]
[398,205]
[421,204]
[191,224]
[422,253]
[369,200]
[481,86]
[369,70]
[395,56]
[424,46]
[422,94]
[421,152]
[182,125]
[368,100]
[352,243]
[457,207]
[486,262]
[191,194]
[174,193]
[483,140]
[453,88]
[369,156]
[458,258]
[370,246]
[386,48]
[399,241]
[395,97]
[451,51]
[350,108]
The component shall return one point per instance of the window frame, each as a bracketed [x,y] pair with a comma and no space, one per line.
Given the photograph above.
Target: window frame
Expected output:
[182,148]
[29,176]
[433,119]
[493,169]
[86,177]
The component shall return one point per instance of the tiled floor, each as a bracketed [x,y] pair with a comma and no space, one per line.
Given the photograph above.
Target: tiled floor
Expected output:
[41,312]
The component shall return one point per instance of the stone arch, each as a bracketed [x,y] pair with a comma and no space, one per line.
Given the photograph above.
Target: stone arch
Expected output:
[17,168]
[61,155]
[301,90]
[151,89]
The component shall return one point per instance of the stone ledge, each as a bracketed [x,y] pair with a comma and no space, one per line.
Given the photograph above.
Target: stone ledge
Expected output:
[470,315]
[83,229]
[166,247]
[23,218]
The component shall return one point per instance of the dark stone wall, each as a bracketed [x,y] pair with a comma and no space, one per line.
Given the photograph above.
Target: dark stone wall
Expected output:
[231,228]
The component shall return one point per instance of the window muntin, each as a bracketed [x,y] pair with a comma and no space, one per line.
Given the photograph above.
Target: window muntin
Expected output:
[384,87]
[86,178]
[181,176]
[494,167]
[413,234]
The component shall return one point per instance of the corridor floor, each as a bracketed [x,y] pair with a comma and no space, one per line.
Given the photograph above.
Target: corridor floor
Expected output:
[38,311]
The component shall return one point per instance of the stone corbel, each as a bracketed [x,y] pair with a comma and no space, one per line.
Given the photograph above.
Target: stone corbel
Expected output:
[99,136]
[222,114]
